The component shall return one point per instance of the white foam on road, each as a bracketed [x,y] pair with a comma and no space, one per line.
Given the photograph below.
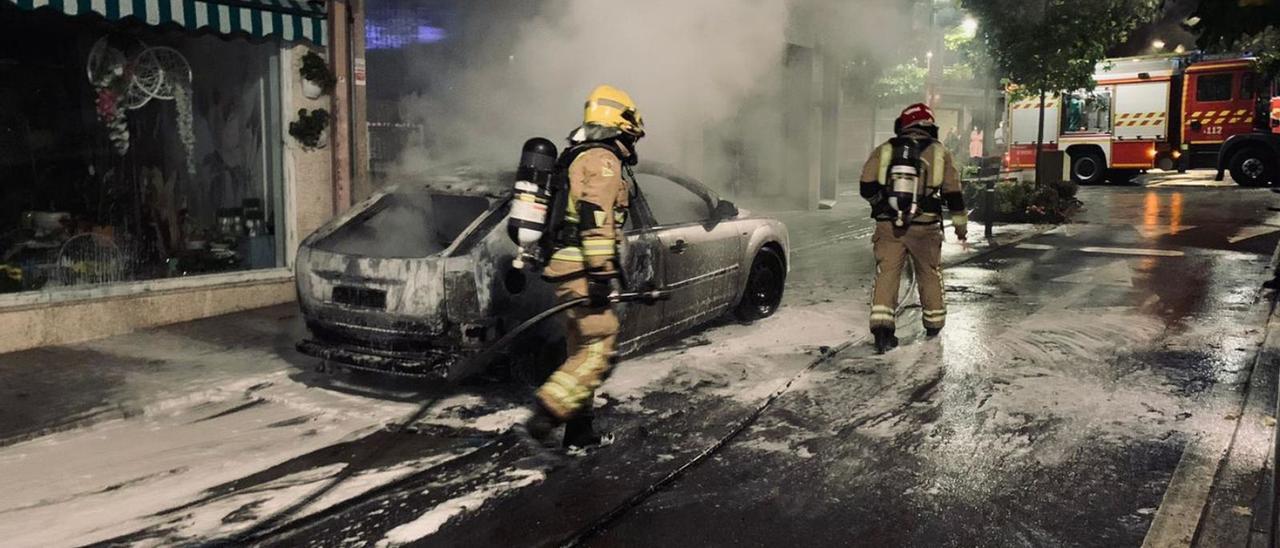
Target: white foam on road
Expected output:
[115,477]
[430,522]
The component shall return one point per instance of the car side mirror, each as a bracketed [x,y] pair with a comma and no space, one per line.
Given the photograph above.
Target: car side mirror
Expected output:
[725,210]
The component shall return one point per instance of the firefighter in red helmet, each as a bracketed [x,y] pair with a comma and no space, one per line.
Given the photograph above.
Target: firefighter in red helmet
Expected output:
[908,180]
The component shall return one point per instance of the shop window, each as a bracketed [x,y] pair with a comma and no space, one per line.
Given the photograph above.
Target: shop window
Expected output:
[1214,87]
[1088,112]
[132,153]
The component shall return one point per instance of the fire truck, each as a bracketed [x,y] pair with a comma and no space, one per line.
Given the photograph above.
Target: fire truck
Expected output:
[1174,111]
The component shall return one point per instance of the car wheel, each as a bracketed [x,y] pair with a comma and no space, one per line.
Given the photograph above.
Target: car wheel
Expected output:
[1088,168]
[1251,167]
[764,288]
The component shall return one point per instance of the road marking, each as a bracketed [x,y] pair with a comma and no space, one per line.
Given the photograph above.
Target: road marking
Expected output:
[1116,274]
[1133,251]
[1035,247]
[1251,232]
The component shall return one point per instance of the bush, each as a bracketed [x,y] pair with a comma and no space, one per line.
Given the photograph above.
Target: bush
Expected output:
[1067,189]
[1019,202]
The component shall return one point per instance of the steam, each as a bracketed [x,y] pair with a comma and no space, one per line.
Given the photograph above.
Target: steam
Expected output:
[708,76]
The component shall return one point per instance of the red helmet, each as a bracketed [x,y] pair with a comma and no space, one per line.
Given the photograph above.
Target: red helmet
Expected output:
[916,114]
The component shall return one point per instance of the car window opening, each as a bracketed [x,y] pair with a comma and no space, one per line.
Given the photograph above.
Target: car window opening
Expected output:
[406,224]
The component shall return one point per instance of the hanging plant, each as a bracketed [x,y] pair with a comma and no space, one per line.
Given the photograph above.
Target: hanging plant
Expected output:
[309,128]
[107,73]
[315,71]
[186,125]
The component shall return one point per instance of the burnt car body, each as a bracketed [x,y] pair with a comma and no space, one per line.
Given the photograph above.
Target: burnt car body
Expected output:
[418,278]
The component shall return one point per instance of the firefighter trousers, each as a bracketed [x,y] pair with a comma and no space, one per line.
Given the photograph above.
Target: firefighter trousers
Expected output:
[893,245]
[590,337]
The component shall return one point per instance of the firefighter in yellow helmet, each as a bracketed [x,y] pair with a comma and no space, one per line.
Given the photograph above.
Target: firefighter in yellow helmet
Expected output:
[907,180]
[586,262]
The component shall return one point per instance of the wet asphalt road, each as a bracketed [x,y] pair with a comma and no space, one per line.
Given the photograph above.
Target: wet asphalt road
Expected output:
[1075,370]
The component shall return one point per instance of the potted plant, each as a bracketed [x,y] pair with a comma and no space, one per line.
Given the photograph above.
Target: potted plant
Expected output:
[309,128]
[316,77]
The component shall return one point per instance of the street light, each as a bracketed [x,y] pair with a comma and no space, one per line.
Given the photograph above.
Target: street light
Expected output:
[1158,44]
[969,26]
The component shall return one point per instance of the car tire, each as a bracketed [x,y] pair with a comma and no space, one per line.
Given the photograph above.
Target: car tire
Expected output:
[1088,168]
[1250,167]
[765,284]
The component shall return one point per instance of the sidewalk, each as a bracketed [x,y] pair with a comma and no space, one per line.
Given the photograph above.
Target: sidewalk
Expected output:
[1238,509]
[63,387]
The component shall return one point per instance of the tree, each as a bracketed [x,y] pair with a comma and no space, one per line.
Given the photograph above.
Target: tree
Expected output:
[1240,25]
[900,81]
[1048,46]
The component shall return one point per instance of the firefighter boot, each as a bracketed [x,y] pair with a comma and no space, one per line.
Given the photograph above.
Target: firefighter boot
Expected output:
[885,340]
[578,432]
[932,332]
[539,429]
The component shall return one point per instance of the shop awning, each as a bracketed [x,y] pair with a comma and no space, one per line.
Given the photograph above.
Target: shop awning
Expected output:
[291,20]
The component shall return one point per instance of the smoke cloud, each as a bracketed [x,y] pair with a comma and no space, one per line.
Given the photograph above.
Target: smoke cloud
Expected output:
[708,76]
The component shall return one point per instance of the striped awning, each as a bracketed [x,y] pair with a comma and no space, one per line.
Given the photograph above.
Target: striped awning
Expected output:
[291,20]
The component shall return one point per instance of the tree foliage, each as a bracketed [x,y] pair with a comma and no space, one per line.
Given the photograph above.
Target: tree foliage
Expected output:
[1240,25]
[901,81]
[1053,45]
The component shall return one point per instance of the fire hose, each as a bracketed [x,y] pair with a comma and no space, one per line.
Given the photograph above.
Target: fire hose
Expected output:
[275,524]
[502,345]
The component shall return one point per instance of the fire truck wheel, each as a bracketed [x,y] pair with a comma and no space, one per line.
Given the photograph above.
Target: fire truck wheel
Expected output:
[1088,168]
[1252,167]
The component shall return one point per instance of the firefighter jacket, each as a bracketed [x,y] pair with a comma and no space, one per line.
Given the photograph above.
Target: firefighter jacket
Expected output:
[940,181]
[598,200]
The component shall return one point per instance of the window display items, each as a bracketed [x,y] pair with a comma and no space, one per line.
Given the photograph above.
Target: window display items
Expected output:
[124,82]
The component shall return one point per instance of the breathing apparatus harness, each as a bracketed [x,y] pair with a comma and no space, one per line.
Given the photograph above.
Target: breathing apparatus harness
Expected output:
[541,219]
[912,184]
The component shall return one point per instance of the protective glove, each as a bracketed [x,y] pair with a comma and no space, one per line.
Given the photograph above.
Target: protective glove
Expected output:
[962,233]
[599,290]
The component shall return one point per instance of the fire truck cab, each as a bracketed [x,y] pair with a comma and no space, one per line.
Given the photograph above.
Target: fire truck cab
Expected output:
[1167,112]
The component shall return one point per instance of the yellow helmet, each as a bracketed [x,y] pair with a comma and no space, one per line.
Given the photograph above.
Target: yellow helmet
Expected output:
[611,107]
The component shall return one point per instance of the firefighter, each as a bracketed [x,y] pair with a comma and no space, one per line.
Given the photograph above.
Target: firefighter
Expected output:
[920,234]
[586,262]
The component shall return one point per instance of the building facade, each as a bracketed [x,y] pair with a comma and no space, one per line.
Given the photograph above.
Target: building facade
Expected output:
[160,159]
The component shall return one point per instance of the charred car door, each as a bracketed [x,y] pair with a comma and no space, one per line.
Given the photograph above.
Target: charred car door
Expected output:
[700,256]
[642,263]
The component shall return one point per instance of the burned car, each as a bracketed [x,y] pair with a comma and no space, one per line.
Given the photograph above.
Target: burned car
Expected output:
[419,278]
